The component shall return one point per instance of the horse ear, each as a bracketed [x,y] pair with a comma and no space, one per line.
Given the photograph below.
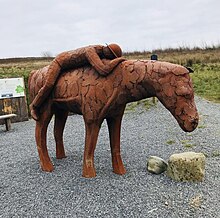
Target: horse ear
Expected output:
[189,69]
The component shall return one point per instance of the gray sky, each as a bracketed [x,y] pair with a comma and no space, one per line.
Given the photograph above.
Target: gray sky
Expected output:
[30,28]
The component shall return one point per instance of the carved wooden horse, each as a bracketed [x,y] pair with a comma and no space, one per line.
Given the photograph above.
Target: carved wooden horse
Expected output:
[84,91]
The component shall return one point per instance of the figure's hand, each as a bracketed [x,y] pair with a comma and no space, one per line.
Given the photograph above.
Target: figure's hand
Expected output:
[121,59]
[109,66]
[116,61]
[113,63]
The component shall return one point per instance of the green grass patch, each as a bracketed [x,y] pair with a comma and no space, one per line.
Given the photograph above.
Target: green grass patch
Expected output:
[145,104]
[170,142]
[201,126]
[21,67]
[215,153]
[131,107]
[187,144]
[206,81]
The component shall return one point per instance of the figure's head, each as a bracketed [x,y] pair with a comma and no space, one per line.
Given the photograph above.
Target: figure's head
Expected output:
[112,51]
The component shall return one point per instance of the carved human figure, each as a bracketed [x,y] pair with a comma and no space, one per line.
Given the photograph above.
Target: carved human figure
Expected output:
[92,55]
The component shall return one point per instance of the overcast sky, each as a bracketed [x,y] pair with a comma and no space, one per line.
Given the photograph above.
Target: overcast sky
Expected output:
[30,28]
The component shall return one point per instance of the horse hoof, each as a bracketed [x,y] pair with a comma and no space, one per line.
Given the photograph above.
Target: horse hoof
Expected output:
[60,156]
[89,173]
[119,171]
[47,167]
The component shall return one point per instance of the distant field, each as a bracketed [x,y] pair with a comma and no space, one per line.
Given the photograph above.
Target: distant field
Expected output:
[205,62]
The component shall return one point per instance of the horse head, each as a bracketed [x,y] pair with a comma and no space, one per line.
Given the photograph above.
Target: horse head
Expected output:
[173,87]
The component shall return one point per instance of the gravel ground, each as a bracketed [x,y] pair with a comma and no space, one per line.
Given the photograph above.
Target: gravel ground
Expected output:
[26,191]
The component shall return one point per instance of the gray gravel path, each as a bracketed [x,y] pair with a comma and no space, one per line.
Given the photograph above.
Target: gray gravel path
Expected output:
[26,191]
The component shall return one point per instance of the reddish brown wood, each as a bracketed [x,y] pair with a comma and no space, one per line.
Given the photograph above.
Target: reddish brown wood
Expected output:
[84,91]
[93,55]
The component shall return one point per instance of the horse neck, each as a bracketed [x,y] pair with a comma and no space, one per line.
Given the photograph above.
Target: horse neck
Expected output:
[137,80]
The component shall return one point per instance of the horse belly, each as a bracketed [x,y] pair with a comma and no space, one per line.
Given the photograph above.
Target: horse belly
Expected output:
[71,106]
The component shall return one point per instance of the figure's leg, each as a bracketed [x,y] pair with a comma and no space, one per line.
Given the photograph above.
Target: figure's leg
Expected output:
[59,124]
[41,140]
[114,126]
[92,131]
[52,74]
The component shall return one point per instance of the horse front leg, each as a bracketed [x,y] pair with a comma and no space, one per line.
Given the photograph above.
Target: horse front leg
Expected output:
[114,126]
[92,131]
[59,124]
[41,140]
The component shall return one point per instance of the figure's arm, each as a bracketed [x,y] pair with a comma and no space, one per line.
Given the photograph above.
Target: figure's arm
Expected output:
[96,62]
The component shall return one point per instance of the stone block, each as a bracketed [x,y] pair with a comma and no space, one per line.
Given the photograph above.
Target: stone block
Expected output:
[187,166]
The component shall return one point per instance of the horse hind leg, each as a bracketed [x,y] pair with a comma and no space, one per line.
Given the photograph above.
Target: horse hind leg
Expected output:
[59,124]
[41,140]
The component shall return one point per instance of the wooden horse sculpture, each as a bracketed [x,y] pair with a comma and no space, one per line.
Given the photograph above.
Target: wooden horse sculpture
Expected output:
[85,92]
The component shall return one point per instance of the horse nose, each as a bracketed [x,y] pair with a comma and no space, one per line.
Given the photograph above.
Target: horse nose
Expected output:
[195,122]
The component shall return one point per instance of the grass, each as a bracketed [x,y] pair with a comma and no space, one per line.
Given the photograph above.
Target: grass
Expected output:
[201,126]
[131,107]
[215,153]
[205,62]
[187,144]
[21,67]
[206,81]
[170,142]
[182,55]
[144,104]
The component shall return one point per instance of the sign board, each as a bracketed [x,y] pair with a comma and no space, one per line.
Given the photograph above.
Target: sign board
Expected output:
[12,88]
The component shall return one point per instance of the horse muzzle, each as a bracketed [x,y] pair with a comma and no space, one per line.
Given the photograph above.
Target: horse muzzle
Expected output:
[188,125]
